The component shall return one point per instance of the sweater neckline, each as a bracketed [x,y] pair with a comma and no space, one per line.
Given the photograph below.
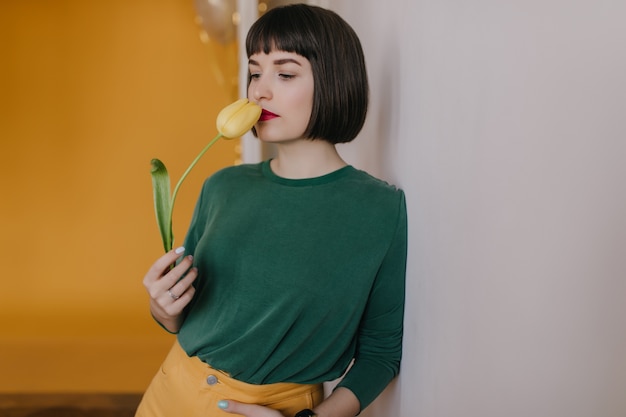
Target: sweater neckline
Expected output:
[304,182]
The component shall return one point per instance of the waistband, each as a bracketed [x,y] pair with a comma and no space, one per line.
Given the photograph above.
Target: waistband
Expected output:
[216,380]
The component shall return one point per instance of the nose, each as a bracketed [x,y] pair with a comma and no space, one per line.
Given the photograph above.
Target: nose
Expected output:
[259,89]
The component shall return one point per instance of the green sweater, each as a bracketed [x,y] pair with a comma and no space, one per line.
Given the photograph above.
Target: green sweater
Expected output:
[298,277]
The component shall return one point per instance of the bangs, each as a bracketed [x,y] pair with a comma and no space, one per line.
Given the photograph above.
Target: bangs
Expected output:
[285,29]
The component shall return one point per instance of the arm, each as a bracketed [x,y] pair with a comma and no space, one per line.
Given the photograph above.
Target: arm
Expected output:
[341,403]
[379,347]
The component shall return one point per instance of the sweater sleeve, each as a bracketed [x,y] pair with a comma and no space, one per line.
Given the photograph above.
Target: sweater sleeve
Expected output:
[379,344]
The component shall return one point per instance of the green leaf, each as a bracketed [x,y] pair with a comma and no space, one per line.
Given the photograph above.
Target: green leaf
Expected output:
[162,202]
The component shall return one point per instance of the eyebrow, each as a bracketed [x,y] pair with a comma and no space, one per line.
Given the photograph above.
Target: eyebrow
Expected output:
[276,62]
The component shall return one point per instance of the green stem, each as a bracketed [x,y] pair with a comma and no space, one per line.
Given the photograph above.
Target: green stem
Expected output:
[193,163]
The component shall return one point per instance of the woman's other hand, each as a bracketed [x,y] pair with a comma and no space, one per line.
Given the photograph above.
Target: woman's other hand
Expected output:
[248,410]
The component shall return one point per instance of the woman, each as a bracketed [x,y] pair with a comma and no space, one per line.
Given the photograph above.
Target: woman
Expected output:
[294,267]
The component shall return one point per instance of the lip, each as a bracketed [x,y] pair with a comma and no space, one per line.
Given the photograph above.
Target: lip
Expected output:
[267,115]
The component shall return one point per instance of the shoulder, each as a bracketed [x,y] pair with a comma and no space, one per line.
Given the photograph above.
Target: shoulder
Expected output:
[372,197]
[374,187]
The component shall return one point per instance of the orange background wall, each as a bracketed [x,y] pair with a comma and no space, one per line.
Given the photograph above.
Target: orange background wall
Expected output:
[90,91]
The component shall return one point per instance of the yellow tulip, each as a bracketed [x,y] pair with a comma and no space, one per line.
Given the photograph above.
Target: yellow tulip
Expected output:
[237,118]
[232,122]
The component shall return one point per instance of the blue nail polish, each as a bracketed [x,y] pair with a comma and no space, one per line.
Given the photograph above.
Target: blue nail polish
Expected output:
[223,404]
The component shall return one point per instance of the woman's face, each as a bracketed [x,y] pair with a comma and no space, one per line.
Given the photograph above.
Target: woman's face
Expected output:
[282,84]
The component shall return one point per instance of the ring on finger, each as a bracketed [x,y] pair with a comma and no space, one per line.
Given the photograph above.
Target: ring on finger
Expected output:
[174,296]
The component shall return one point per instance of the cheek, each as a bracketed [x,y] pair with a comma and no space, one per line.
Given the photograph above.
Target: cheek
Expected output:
[303,100]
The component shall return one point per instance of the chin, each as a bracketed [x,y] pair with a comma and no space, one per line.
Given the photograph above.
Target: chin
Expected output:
[268,137]
[274,134]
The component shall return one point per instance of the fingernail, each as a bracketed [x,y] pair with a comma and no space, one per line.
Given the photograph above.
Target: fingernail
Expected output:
[223,404]
[180,250]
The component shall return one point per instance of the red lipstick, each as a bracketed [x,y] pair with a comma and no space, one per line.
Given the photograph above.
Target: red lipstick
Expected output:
[266,115]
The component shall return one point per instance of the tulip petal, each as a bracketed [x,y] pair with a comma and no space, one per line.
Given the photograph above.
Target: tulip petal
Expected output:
[162,202]
[237,118]
[227,112]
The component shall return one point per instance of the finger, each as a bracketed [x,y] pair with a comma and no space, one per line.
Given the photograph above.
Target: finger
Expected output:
[177,273]
[157,287]
[183,285]
[174,307]
[162,265]
[182,300]
[248,410]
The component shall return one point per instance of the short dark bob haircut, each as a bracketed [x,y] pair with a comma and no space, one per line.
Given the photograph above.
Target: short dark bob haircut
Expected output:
[341,90]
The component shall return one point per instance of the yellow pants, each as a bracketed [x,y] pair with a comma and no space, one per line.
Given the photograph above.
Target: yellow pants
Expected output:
[187,387]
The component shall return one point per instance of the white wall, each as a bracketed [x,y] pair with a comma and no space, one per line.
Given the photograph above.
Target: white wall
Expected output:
[504,122]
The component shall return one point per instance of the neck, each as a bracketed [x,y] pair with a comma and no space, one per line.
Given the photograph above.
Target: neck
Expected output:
[306,159]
